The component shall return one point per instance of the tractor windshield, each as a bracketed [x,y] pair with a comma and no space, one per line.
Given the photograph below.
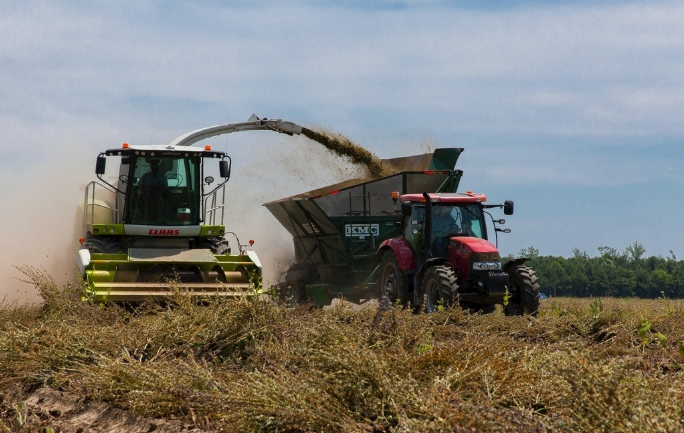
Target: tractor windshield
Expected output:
[461,219]
[163,191]
[449,220]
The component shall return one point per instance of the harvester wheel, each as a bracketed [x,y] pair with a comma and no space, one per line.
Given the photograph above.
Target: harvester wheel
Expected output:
[392,281]
[524,292]
[297,278]
[216,245]
[103,245]
[439,287]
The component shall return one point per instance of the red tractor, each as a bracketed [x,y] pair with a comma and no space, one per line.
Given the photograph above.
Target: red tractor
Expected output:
[444,257]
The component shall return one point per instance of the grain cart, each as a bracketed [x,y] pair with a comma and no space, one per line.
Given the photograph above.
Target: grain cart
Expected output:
[161,221]
[337,229]
[408,236]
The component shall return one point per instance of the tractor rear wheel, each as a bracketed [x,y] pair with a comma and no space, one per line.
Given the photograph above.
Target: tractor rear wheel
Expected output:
[392,281]
[293,292]
[524,292]
[439,287]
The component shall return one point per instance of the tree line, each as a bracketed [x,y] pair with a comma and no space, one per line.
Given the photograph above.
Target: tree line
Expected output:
[614,273]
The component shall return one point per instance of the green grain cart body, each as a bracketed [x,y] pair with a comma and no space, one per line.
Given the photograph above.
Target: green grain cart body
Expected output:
[337,229]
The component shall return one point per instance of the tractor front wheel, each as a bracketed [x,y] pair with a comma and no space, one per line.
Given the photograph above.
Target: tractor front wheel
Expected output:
[524,292]
[439,287]
[392,282]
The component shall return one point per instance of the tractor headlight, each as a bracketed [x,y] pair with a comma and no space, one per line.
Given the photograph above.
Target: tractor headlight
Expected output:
[486,266]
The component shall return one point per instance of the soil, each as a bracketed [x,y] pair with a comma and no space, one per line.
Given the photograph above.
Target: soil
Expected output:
[65,412]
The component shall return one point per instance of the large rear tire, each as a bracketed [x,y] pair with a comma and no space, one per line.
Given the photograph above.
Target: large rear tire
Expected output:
[440,288]
[524,292]
[392,281]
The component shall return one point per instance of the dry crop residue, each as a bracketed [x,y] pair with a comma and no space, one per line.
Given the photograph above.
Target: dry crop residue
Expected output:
[343,146]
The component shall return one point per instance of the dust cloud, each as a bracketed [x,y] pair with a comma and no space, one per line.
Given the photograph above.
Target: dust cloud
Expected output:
[269,167]
[40,209]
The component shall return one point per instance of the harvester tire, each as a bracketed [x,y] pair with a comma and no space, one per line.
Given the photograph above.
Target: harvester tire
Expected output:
[392,281]
[103,245]
[524,292]
[216,245]
[299,275]
[439,287]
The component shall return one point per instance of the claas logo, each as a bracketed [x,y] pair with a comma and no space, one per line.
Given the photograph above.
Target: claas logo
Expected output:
[163,232]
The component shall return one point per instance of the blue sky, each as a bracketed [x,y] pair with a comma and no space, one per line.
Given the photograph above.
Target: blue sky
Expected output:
[573,109]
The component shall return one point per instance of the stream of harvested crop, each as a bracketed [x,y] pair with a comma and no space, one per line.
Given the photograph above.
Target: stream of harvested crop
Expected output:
[343,146]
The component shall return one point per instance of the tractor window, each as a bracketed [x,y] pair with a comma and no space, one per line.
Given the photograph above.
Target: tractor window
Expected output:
[163,191]
[414,234]
[450,220]
[464,219]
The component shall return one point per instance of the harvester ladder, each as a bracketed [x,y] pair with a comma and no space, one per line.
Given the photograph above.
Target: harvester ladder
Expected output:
[215,206]
[91,205]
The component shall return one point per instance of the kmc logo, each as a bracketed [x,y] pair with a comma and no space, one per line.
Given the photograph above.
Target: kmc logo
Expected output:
[361,230]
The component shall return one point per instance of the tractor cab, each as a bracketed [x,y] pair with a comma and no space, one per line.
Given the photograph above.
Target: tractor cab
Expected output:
[430,225]
[451,215]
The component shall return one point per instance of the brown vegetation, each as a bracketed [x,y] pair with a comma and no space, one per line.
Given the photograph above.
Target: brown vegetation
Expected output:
[581,365]
[343,146]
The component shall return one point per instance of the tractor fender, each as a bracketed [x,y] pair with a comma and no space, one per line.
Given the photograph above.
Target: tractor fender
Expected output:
[514,262]
[402,251]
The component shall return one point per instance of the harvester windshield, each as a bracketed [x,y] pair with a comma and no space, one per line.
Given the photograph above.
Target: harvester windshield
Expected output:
[163,191]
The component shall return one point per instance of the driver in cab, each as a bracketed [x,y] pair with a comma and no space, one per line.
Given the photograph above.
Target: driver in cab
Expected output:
[443,223]
[154,188]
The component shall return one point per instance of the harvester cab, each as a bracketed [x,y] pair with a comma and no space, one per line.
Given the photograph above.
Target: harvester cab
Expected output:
[161,222]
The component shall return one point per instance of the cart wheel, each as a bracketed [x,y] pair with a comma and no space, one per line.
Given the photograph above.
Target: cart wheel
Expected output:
[293,291]
[392,282]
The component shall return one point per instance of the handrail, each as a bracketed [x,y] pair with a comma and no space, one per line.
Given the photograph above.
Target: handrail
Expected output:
[90,205]
[211,210]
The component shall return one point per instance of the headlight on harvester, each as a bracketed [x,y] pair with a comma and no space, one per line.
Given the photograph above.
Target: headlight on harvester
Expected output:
[486,266]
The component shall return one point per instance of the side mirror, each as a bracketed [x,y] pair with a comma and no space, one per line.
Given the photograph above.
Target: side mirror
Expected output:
[100,165]
[224,169]
[508,207]
[406,208]
[209,180]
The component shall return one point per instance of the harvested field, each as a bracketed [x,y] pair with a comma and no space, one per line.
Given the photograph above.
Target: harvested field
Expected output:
[581,365]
